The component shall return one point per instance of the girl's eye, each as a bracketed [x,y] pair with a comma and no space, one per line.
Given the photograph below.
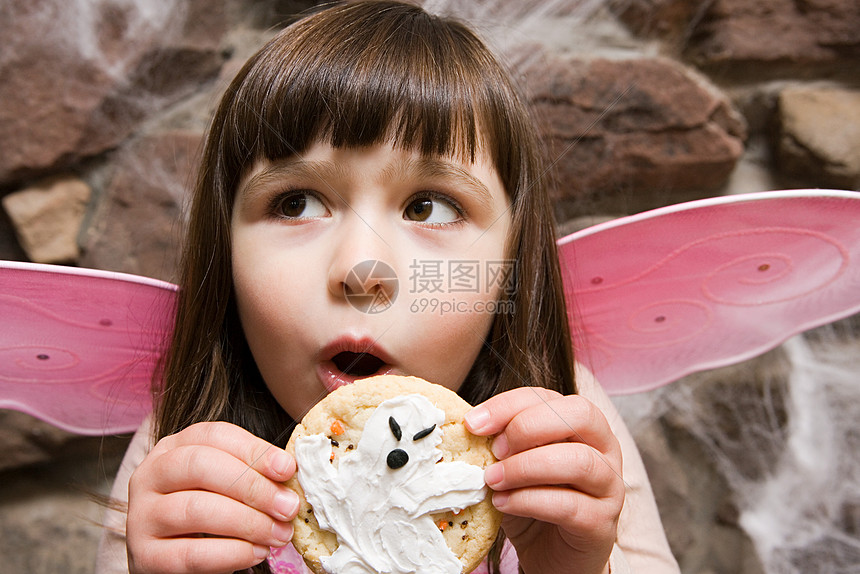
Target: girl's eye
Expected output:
[432,210]
[299,204]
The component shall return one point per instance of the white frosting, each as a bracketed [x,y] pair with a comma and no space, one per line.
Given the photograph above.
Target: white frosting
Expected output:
[381,515]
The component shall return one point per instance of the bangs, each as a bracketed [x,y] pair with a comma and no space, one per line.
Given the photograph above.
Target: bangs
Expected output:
[394,74]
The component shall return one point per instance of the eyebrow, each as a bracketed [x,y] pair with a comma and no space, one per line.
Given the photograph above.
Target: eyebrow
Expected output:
[433,168]
[325,170]
[321,171]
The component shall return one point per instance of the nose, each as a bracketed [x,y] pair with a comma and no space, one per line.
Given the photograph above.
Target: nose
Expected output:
[397,458]
[362,263]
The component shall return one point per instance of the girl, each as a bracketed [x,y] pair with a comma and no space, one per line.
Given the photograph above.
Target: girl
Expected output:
[374,132]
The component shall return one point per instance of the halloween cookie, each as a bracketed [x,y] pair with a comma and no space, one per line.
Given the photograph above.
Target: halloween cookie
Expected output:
[391,481]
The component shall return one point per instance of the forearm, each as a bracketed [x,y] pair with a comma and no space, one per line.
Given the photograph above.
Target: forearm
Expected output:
[112,556]
[641,544]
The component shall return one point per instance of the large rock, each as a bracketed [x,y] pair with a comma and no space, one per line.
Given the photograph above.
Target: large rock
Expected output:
[48,216]
[807,33]
[49,521]
[10,247]
[137,225]
[78,82]
[26,441]
[647,128]
[696,504]
[731,37]
[706,441]
[819,139]
[665,19]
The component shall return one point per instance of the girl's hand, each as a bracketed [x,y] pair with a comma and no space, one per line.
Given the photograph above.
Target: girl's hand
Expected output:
[209,499]
[558,481]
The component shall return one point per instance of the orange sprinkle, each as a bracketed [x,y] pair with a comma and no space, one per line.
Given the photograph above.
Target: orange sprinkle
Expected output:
[331,458]
[443,524]
[336,428]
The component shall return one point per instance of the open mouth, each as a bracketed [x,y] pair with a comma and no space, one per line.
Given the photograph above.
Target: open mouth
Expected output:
[357,364]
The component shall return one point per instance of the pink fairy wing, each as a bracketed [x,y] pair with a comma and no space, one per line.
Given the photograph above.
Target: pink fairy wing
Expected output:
[78,347]
[658,295]
[653,297]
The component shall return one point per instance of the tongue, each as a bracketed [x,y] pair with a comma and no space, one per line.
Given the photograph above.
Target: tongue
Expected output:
[357,364]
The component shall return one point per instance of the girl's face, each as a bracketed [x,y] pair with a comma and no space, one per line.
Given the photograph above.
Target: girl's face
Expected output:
[373,250]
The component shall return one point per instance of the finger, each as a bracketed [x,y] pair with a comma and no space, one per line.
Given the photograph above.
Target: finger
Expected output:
[196,467]
[203,555]
[262,456]
[493,415]
[557,418]
[198,512]
[574,512]
[574,465]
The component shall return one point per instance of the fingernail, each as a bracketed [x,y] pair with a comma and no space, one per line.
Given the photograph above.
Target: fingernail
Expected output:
[500,499]
[477,418]
[281,462]
[287,504]
[282,532]
[500,447]
[494,474]
[261,552]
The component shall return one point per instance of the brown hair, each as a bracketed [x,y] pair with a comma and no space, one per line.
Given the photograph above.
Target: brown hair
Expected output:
[359,74]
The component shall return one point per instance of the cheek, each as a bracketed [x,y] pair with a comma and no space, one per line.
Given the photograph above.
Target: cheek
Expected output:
[266,298]
[255,300]
[451,337]
[270,280]
[453,316]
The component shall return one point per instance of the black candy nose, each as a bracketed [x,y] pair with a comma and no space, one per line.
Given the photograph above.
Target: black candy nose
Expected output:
[397,458]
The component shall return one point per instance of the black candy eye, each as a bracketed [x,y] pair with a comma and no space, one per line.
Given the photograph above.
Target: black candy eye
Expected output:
[422,433]
[395,428]
[397,458]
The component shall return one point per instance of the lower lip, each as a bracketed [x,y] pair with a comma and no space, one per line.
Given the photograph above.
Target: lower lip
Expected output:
[333,378]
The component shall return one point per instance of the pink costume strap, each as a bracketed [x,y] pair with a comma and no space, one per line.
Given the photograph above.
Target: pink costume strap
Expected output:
[286,560]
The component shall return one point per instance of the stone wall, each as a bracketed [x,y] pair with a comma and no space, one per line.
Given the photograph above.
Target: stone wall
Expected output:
[643,103]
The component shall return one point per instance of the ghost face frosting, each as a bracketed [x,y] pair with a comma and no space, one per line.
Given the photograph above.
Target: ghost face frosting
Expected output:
[379,498]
